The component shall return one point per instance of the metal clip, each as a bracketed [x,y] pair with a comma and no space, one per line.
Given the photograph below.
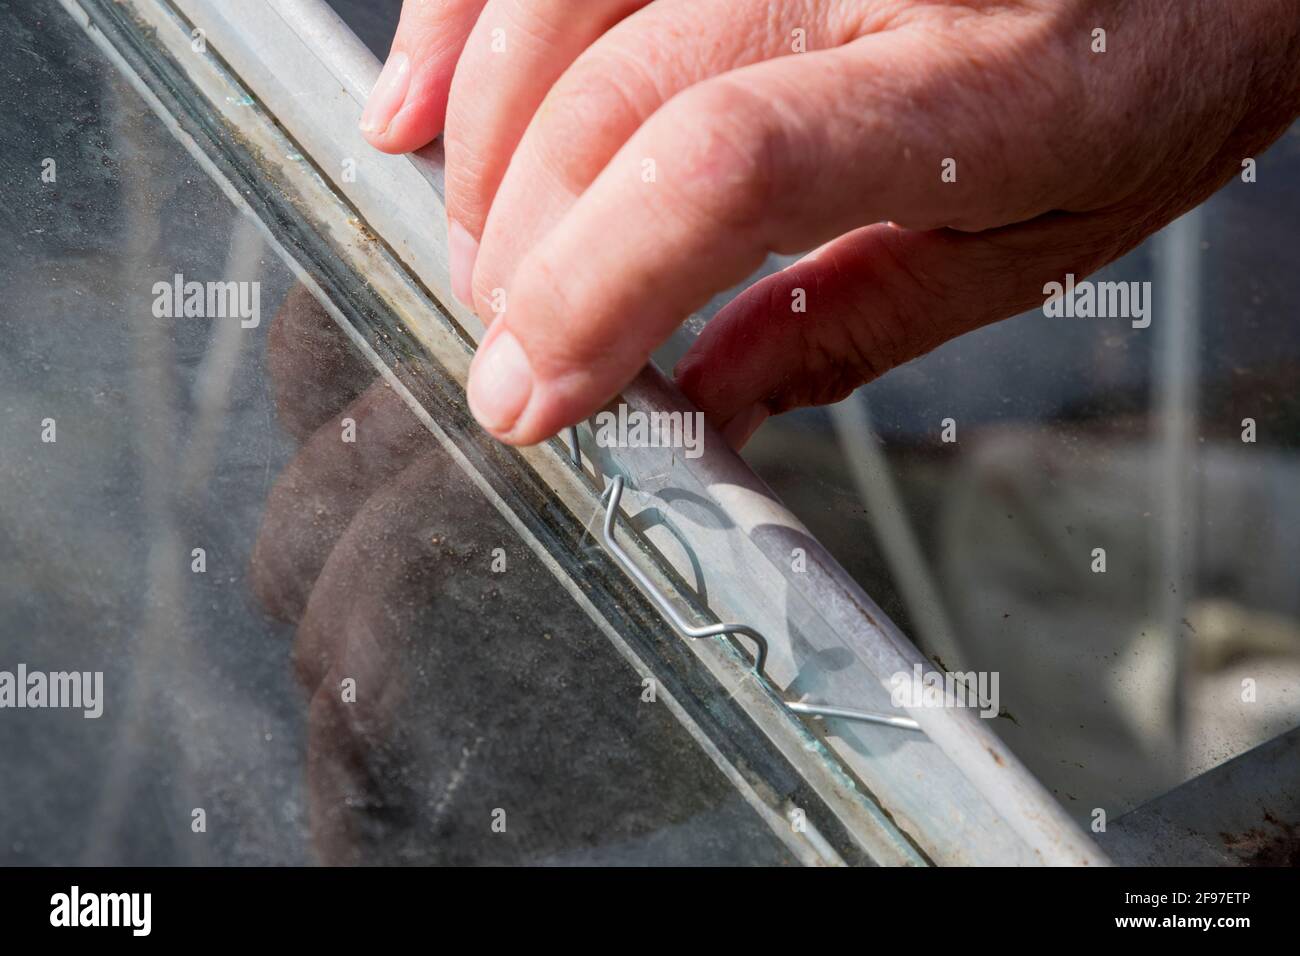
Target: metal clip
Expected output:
[613,494]
[575,450]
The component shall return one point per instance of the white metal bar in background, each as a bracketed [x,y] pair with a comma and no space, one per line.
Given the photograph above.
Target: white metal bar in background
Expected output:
[1177,341]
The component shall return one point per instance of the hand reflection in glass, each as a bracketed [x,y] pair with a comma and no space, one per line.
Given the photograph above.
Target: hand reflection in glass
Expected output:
[475,691]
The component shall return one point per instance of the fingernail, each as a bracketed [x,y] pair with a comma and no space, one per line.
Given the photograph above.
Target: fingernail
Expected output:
[500,382]
[388,95]
[741,428]
[462,250]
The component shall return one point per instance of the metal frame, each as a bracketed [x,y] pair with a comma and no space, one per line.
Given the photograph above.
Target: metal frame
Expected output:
[709,531]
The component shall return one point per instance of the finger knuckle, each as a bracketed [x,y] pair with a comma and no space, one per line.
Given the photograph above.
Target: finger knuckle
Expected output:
[586,114]
[720,163]
[467,169]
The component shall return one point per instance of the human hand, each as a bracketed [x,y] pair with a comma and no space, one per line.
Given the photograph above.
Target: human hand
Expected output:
[613,164]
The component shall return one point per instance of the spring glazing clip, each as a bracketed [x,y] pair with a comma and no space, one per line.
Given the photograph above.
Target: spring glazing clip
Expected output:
[613,494]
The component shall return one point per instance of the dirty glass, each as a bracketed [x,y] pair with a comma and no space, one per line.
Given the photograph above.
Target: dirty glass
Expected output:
[306,635]
[1100,511]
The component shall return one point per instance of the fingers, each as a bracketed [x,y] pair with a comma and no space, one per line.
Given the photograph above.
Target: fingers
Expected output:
[874,299]
[781,155]
[317,495]
[609,92]
[321,383]
[514,55]
[315,371]
[408,104]
[394,558]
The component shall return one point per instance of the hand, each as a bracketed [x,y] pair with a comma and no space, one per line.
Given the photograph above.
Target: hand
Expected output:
[612,164]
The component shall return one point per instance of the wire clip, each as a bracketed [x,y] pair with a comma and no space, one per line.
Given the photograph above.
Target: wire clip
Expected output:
[612,496]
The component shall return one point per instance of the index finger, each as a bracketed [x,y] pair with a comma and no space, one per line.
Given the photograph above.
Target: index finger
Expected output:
[780,156]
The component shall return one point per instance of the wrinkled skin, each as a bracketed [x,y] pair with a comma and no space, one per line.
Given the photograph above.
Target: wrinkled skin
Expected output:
[1065,159]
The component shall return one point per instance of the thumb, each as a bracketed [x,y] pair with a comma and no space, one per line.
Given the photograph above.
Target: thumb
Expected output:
[408,105]
[872,300]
